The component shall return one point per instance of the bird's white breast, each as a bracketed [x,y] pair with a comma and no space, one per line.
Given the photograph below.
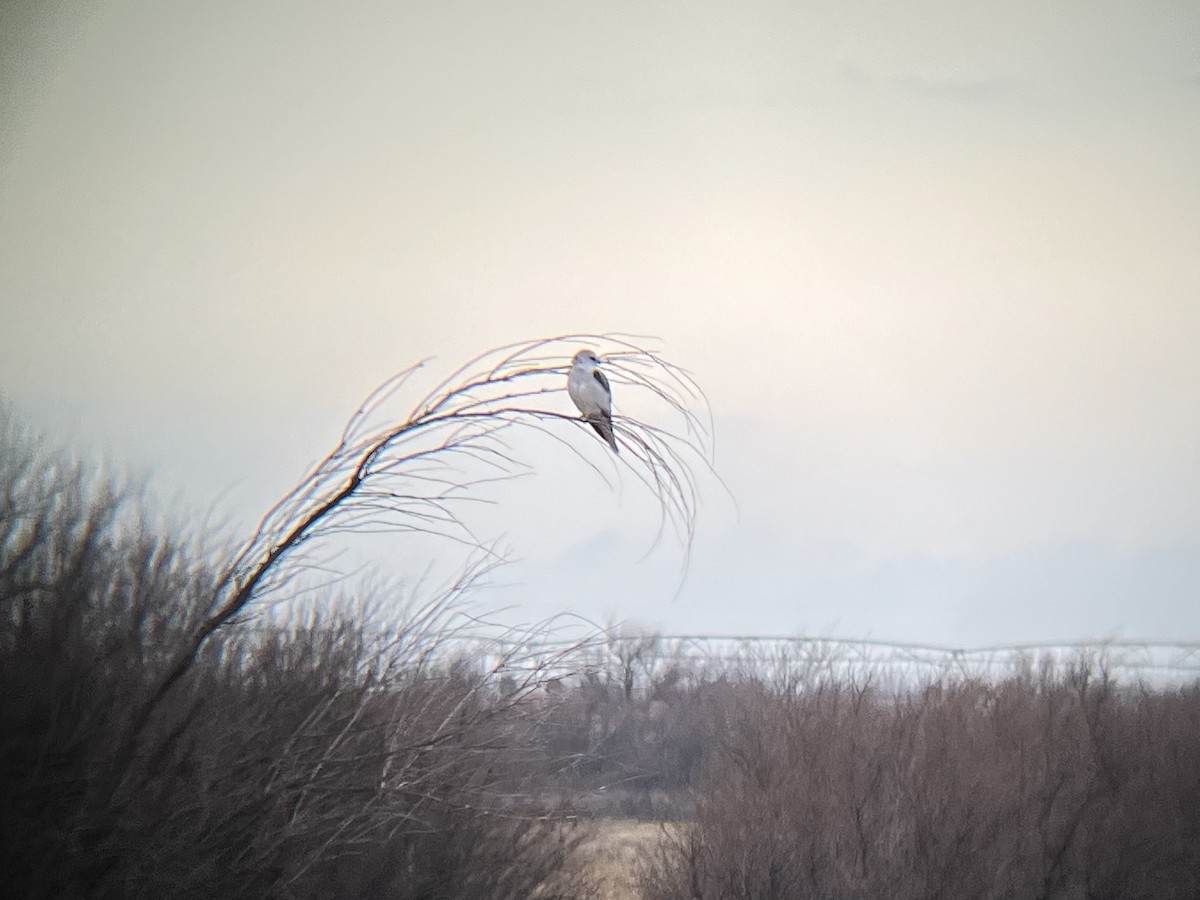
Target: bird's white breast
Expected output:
[587,393]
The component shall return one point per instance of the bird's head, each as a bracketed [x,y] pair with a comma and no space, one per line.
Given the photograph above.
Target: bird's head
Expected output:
[586,358]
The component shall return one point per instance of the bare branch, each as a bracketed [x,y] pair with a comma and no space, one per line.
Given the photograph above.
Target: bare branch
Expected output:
[411,474]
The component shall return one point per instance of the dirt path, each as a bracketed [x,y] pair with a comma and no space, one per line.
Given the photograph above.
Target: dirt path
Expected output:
[612,856]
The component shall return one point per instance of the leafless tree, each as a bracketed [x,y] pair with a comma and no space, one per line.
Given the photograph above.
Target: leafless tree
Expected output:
[328,749]
[414,471]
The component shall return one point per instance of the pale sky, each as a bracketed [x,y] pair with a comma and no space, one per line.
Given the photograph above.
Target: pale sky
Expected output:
[937,266]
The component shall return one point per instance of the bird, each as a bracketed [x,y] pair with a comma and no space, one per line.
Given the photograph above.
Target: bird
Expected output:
[589,389]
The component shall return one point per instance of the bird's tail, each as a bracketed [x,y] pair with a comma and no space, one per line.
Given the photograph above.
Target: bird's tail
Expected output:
[604,427]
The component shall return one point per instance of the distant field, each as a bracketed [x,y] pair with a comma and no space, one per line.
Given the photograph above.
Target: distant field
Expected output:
[611,858]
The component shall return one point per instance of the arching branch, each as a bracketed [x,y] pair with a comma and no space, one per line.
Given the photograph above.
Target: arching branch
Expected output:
[412,471]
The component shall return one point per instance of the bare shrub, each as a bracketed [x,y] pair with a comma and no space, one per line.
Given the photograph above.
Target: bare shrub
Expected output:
[1054,785]
[336,757]
[158,742]
[414,471]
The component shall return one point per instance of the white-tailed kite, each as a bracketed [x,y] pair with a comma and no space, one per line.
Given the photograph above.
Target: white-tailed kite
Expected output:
[589,389]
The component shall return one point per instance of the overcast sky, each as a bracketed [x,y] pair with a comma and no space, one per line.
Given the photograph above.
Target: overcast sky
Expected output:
[937,266]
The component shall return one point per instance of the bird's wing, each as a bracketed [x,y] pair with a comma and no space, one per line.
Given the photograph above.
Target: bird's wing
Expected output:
[600,377]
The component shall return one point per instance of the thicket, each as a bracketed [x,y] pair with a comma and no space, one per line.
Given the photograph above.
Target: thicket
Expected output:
[318,758]
[1050,784]
[160,738]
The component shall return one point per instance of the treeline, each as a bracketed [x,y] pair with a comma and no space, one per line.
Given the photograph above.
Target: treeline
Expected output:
[329,756]
[819,779]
